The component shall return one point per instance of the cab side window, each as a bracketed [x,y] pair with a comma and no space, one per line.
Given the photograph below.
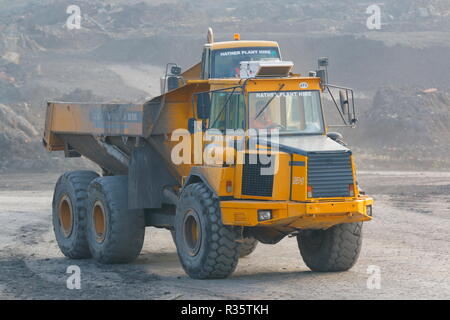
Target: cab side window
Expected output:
[205,63]
[231,116]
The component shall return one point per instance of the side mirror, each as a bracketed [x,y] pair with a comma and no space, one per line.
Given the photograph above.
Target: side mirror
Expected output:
[203,105]
[346,105]
[175,70]
[323,62]
[343,98]
[322,75]
[322,72]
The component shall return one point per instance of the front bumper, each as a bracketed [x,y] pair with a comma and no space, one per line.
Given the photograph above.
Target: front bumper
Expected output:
[301,215]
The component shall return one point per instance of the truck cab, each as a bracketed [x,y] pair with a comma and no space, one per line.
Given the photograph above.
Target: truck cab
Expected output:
[291,110]
[221,60]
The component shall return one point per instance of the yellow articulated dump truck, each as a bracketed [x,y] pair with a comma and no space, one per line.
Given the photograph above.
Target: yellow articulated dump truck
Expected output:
[235,151]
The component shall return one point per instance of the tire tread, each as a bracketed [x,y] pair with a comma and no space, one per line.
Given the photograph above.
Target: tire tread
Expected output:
[223,254]
[339,250]
[79,180]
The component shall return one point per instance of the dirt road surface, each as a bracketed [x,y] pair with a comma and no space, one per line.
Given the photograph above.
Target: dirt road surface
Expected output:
[408,242]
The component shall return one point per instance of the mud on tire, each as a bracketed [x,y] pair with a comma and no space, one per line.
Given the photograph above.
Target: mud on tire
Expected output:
[333,249]
[69,211]
[248,245]
[115,234]
[207,249]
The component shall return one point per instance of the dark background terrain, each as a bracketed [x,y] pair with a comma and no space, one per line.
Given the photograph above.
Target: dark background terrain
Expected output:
[122,47]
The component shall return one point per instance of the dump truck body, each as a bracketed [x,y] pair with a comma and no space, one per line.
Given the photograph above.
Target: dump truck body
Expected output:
[108,133]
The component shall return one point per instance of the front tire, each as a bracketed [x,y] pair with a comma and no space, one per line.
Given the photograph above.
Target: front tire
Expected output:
[333,249]
[69,211]
[207,249]
[115,234]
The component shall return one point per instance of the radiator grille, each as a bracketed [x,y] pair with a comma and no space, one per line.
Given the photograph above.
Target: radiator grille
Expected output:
[329,174]
[253,183]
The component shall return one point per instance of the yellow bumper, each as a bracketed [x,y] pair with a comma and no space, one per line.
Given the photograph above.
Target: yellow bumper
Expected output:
[302,215]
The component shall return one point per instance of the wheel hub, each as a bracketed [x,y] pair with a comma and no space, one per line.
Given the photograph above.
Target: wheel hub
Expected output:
[192,232]
[99,221]
[65,216]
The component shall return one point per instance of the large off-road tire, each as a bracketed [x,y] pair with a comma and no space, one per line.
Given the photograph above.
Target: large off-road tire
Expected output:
[207,249]
[115,234]
[248,245]
[69,213]
[333,249]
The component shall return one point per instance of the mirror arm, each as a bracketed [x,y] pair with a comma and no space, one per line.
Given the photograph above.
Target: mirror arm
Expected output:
[351,122]
[337,107]
[354,120]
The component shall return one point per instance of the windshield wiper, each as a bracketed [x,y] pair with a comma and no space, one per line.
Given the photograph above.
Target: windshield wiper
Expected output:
[268,102]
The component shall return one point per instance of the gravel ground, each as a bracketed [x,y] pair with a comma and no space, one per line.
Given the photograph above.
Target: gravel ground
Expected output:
[408,242]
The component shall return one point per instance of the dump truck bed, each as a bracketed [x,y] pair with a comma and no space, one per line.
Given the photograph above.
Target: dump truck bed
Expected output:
[96,131]
[107,119]
[105,133]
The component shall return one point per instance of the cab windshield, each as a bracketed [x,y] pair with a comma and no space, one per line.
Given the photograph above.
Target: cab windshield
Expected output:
[289,111]
[226,62]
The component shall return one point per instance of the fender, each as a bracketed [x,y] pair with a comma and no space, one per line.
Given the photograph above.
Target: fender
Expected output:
[195,175]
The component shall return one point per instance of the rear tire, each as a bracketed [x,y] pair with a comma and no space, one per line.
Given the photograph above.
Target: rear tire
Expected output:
[69,211]
[207,249]
[333,249]
[115,234]
[248,246]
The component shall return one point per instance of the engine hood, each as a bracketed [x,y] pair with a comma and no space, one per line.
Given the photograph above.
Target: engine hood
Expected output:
[304,145]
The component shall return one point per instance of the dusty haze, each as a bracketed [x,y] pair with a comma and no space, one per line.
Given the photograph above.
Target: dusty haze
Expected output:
[122,46]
